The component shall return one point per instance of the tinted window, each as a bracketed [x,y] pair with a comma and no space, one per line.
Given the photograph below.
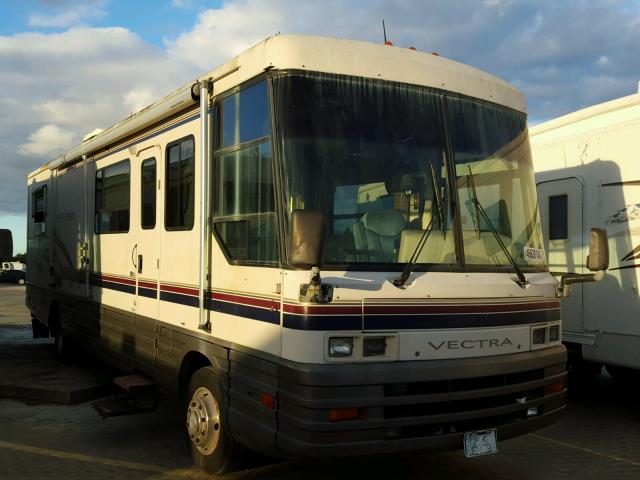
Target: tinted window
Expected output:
[179,197]
[245,115]
[148,193]
[112,198]
[558,218]
[245,218]
[245,181]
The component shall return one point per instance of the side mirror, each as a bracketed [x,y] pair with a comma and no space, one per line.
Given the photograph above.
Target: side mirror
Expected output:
[306,238]
[598,258]
[6,245]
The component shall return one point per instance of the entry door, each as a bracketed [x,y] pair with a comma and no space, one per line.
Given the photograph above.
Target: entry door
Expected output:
[146,259]
[561,204]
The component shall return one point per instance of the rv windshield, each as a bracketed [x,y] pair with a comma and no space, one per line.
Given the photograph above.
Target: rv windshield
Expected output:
[372,156]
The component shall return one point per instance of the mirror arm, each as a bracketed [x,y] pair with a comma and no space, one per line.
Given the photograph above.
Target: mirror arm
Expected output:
[568,279]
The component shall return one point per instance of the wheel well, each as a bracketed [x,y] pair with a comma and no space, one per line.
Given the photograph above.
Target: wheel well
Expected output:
[192,362]
[53,319]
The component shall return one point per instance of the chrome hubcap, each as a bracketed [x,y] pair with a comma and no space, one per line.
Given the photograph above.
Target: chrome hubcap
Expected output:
[203,421]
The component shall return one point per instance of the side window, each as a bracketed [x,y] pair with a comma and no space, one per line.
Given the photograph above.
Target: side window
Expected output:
[558,218]
[179,185]
[148,194]
[112,198]
[39,212]
[243,194]
[245,115]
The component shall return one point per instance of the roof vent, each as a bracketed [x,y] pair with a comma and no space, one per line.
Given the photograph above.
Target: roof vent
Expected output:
[92,133]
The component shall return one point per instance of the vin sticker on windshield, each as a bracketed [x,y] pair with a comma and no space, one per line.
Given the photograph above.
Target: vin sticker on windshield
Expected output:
[533,255]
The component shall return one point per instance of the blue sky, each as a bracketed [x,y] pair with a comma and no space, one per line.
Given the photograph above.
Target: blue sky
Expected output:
[152,20]
[69,66]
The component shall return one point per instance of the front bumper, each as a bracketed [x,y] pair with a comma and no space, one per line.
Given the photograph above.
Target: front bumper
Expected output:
[405,406]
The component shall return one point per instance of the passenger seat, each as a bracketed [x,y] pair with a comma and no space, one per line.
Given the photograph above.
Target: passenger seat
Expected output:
[376,235]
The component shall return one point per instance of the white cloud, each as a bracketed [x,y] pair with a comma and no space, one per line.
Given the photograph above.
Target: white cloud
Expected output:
[138,98]
[68,14]
[48,140]
[54,88]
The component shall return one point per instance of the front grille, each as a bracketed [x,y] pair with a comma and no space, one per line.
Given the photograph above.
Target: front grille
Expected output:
[445,428]
[461,405]
[461,384]
[467,405]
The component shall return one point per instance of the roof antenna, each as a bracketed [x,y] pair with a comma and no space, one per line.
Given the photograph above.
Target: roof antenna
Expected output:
[384,32]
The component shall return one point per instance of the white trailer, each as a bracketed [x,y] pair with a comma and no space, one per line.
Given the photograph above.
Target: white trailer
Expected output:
[12,266]
[587,172]
[184,243]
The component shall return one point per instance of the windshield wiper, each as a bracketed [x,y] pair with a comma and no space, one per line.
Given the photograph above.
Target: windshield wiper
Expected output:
[522,280]
[410,265]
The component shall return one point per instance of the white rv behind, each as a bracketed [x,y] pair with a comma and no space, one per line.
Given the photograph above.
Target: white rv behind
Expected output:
[587,167]
[184,242]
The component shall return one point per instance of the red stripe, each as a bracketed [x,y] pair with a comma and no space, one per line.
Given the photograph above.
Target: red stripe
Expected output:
[255,302]
[109,278]
[505,308]
[185,291]
[147,285]
[324,309]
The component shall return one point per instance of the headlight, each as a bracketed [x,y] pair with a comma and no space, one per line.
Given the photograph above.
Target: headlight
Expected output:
[554,333]
[340,346]
[373,346]
[539,336]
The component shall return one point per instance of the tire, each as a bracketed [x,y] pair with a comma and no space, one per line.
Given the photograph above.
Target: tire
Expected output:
[212,447]
[60,343]
[21,281]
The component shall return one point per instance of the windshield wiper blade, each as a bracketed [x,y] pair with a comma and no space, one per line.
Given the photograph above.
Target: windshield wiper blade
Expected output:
[438,199]
[522,280]
[411,264]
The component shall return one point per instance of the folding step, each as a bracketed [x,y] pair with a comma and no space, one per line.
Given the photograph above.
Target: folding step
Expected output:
[139,394]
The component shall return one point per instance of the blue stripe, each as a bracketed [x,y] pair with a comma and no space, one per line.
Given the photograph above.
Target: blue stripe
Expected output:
[179,298]
[147,292]
[120,287]
[346,322]
[471,320]
[322,322]
[246,311]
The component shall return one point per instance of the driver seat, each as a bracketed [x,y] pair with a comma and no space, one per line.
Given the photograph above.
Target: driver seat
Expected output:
[376,235]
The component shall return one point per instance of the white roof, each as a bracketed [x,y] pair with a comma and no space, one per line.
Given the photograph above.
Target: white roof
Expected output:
[602,110]
[323,54]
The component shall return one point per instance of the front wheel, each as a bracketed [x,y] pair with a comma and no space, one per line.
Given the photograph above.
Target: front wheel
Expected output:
[212,447]
[21,281]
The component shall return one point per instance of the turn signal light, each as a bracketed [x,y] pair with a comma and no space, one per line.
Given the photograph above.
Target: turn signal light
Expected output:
[268,401]
[556,387]
[342,414]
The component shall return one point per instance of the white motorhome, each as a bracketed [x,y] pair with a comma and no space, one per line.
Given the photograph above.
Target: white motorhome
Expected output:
[185,243]
[587,173]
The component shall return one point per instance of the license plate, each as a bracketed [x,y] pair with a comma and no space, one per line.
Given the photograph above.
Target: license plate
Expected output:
[482,442]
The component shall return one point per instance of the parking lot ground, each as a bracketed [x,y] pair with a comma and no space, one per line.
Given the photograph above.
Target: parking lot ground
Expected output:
[12,307]
[598,438]
[31,371]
